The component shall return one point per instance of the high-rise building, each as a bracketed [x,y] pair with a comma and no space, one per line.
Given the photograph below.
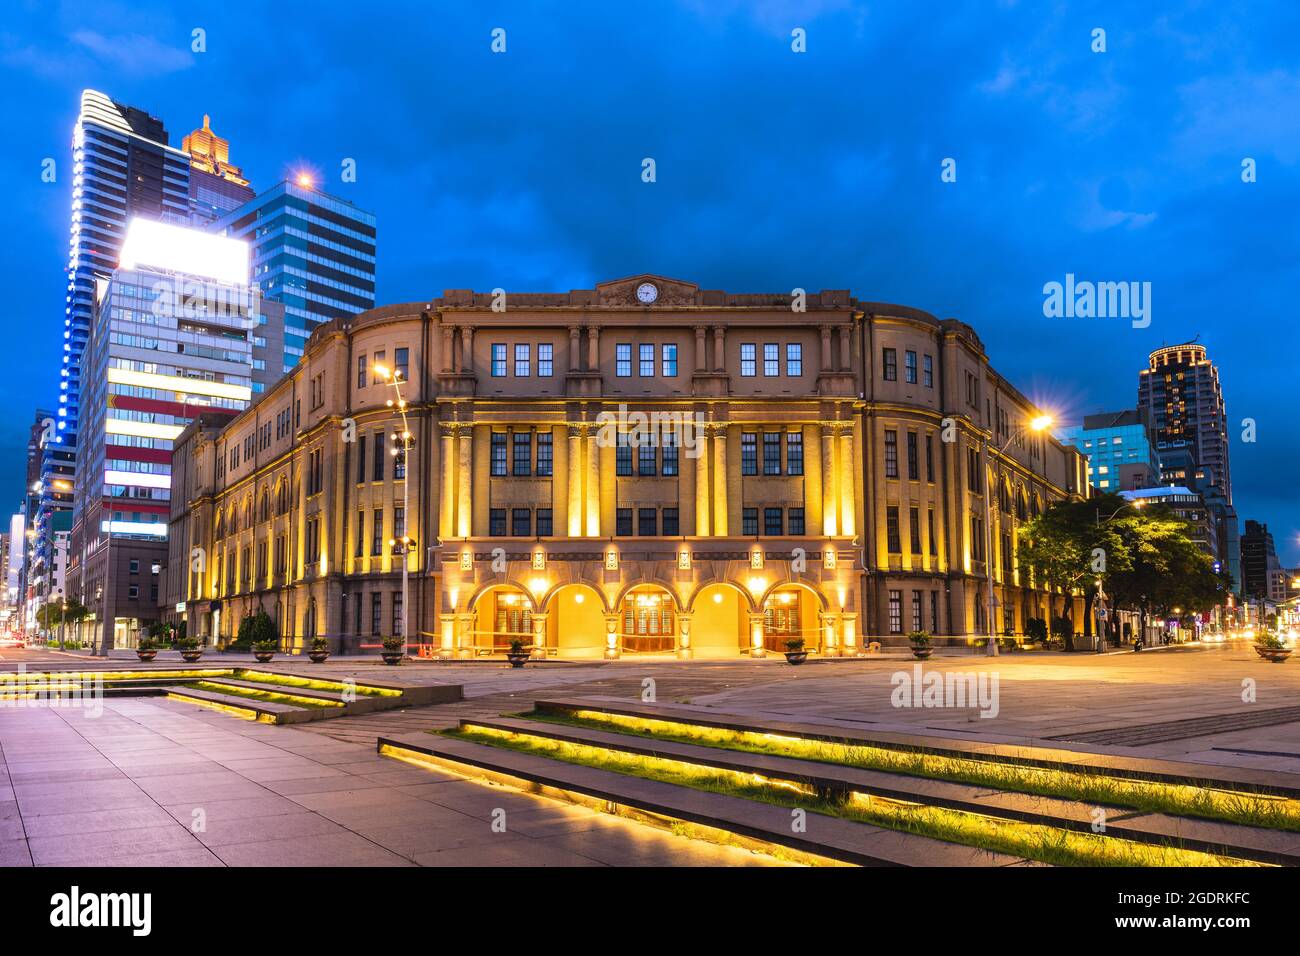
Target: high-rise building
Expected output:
[1180,392]
[1260,568]
[1118,448]
[311,252]
[122,167]
[171,338]
[216,185]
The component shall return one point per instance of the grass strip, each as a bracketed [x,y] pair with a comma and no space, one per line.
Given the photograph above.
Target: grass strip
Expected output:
[313,683]
[1033,841]
[266,696]
[1249,809]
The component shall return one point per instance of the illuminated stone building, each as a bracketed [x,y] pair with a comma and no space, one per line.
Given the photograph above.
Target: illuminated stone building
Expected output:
[645,467]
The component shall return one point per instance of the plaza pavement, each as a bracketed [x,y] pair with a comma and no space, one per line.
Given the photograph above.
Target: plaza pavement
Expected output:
[123,789]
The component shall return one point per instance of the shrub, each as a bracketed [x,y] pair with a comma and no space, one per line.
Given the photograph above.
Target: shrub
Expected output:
[1035,630]
[1267,639]
[794,645]
[919,638]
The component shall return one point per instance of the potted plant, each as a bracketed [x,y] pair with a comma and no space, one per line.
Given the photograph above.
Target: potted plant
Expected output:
[1271,647]
[146,650]
[264,650]
[920,641]
[320,650]
[190,649]
[517,653]
[794,651]
[394,650]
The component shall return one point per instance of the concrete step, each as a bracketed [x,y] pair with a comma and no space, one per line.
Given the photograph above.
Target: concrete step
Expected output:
[830,837]
[1275,782]
[1252,843]
[360,705]
[264,711]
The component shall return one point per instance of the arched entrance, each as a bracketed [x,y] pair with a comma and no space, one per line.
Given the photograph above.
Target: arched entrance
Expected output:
[502,613]
[719,622]
[575,623]
[647,620]
[792,612]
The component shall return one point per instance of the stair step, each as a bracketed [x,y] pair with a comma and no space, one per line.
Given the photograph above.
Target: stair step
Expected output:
[265,711]
[1245,842]
[1275,782]
[842,840]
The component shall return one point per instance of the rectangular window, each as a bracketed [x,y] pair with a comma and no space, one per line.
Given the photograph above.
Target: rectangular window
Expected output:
[670,524]
[544,454]
[927,371]
[934,612]
[498,359]
[771,359]
[377,532]
[646,362]
[929,458]
[497,522]
[377,473]
[749,521]
[498,460]
[668,361]
[646,460]
[795,522]
[892,530]
[647,522]
[891,364]
[356,616]
[399,522]
[361,375]
[545,360]
[973,470]
[929,526]
[376,613]
[749,453]
[622,455]
[623,360]
[913,464]
[402,363]
[915,522]
[891,454]
[916,611]
[772,523]
[523,359]
[794,359]
[895,612]
[668,441]
[359,545]
[521,522]
[977,537]
[909,367]
[399,460]
[771,453]
[545,526]
[398,628]
[522,462]
[794,453]
[623,522]
[747,359]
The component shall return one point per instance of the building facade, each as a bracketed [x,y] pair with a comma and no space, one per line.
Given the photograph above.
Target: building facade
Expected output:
[171,337]
[312,253]
[1262,572]
[645,467]
[1119,450]
[216,185]
[1179,391]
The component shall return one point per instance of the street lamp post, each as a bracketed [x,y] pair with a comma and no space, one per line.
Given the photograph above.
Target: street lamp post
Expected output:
[1037,424]
[401,453]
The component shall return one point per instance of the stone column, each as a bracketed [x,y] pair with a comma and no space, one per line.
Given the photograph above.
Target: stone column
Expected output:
[701,356]
[719,348]
[756,648]
[446,503]
[447,628]
[830,483]
[539,636]
[720,482]
[593,484]
[684,650]
[612,650]
[848,523]
[826,348]
[448,354]
[467,349]
[464,636]
[844,347]
[593,348]
[849,625]
[702,523]
[575,356]
[830,639]
[573,475]
[464,511]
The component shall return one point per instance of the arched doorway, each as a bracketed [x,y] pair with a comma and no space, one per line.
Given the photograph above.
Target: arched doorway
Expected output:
[575,623]
[647,616]
[502,614]
[719,622]
[792,612]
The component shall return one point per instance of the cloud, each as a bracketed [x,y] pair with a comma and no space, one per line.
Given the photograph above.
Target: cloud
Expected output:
[135,53]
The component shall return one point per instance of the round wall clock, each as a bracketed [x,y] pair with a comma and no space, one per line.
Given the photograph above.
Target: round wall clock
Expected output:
[647,292]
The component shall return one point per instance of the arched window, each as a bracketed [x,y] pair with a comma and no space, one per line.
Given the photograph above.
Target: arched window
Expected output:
[282,497]
[266,506]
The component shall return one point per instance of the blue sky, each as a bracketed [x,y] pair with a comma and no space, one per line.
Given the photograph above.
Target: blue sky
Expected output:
[775,170]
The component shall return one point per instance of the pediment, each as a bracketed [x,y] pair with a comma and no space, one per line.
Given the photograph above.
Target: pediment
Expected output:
[670,292]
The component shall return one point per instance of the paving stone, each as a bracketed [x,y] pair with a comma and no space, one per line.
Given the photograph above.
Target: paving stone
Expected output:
[75,849]
[340,849]
[93,821]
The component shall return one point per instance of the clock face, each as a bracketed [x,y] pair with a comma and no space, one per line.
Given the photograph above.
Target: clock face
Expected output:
[647,292]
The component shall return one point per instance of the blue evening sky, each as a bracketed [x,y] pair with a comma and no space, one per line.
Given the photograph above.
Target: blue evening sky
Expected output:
[775,170]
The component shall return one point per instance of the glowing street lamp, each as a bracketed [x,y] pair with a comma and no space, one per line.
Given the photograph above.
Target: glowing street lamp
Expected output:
[405,440]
